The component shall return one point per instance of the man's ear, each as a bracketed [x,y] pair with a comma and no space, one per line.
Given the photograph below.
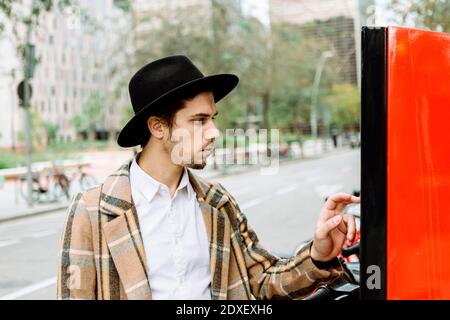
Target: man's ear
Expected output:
[156,127]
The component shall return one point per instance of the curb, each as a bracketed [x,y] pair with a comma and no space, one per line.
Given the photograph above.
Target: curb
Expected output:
[34,212]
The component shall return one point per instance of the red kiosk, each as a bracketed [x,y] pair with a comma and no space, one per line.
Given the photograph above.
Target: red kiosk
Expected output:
[405,164]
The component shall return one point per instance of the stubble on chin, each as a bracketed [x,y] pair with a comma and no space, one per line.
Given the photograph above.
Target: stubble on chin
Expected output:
[197,165]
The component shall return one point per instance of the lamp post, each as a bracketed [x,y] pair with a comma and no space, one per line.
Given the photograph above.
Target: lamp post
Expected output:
[29,65]
[315,91]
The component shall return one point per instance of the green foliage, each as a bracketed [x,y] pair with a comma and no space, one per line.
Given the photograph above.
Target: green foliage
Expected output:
[345,106]
[122,4]
[429,14]
[127,114]
[52,131]
[9,10]
[89,119]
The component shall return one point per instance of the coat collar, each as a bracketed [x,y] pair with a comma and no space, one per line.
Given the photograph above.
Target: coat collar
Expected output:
[116,196]
[116,204]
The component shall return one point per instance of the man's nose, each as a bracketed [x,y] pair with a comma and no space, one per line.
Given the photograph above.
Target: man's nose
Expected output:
[212,133]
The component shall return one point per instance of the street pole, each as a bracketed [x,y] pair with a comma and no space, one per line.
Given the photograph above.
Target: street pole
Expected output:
[315,91]
[13,130]
[27,106]
[28,73]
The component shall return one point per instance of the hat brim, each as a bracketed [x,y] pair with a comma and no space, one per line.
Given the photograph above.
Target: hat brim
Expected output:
[219,84]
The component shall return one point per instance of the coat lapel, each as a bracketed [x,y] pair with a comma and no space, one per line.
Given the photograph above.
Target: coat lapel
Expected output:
[123,236]
[218,230]
[124,239]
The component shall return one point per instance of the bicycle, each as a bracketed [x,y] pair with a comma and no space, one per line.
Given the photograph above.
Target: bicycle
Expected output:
[54,183]
[67,177]
[85,180]
[47,186]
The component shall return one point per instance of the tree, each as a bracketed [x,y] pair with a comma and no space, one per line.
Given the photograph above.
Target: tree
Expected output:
[344,100]
[296,53]
[428,14]
[52,132]
[127,114]
[10,10]
[89,120]
[219,39]
[39,133]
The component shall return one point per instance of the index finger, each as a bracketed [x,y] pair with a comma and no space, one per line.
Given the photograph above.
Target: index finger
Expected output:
[339,198]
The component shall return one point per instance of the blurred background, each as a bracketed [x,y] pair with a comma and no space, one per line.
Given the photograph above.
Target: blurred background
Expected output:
[64,71]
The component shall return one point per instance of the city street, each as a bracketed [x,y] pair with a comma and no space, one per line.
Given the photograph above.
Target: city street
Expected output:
[282,208]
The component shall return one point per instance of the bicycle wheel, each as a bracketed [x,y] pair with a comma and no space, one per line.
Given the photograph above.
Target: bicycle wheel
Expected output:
[35,189]
[61,187]
[87,181]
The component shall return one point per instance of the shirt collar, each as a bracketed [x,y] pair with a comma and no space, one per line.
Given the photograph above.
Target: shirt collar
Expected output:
[149,186]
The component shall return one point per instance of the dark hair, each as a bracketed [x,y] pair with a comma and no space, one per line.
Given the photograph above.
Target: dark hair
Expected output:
[167,112]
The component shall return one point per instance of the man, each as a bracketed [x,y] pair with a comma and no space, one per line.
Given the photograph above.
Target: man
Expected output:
[154,230]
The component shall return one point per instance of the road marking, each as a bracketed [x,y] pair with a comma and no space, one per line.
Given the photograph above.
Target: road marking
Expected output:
[48,216]
[312,179]
[241,191]
[42,234]
[346,169]
[250,204]
[286,190]
[30,289]
[8,243]
[326,190]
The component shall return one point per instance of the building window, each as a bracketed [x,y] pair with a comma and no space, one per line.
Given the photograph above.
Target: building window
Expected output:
[65,106]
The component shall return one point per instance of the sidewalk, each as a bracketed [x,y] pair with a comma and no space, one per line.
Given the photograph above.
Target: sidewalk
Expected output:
[13,206]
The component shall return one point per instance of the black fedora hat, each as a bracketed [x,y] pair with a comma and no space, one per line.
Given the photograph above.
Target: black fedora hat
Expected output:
[162,80]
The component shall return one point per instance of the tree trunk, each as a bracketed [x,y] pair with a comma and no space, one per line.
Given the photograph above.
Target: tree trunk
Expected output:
[266,104]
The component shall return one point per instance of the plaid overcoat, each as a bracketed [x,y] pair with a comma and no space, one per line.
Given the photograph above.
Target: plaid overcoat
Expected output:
[102,254]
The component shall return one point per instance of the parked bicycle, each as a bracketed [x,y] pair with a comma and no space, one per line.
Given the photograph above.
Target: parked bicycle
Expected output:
[56,183]
[45,187]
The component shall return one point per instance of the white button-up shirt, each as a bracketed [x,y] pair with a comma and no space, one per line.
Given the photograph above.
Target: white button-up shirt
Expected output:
[174,235]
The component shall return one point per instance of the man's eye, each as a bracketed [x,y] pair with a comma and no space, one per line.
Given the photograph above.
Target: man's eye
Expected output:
[203,120]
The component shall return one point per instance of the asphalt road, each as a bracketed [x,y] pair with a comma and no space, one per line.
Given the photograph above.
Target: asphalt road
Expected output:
[282,208]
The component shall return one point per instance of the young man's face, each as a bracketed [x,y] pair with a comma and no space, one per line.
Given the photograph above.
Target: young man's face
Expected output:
[191,138]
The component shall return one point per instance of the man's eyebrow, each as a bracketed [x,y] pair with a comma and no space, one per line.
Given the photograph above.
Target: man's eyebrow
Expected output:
[203,115]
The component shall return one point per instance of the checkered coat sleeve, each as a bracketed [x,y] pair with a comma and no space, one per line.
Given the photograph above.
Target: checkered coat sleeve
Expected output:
[271,277]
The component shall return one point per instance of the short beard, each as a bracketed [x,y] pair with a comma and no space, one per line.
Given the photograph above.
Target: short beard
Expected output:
[197,165]
[188,165]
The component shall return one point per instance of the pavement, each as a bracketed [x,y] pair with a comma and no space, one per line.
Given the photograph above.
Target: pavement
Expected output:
[14,206]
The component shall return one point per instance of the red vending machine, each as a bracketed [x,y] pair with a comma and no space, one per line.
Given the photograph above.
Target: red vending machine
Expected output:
[405,164]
